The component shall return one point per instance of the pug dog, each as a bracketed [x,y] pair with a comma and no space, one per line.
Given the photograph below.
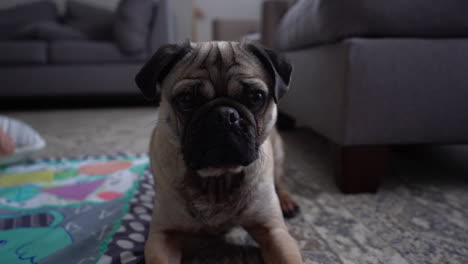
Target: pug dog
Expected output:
[216,157]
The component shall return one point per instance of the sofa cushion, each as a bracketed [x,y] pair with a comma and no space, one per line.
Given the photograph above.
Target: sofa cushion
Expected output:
[385,91]
[132,25]
[13,18]
[75,52]
[95,22]
[48,31]
[20,52]
[311,22]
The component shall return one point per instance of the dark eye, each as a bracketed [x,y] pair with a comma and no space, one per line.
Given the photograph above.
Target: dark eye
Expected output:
[185,101]
[255,99]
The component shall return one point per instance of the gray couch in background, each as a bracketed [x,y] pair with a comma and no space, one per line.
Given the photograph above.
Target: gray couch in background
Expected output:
[373,73]
[87,51]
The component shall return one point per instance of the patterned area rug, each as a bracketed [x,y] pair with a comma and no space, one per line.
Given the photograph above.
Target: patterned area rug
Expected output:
[97,210]
[419,215]
[83,210]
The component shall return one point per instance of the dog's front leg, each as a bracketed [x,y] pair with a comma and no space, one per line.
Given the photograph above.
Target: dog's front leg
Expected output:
[162,248]
[277,245]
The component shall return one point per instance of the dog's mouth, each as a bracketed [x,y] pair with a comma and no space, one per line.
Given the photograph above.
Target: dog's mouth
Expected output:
[219,172]
[219,154]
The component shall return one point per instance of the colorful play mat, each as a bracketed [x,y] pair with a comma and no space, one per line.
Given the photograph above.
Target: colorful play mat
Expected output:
[93,209]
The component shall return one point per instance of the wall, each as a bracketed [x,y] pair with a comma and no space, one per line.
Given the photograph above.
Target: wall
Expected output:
[247,9]
[183,18]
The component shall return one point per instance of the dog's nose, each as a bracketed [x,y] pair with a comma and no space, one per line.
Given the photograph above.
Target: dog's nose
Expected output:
[227,115]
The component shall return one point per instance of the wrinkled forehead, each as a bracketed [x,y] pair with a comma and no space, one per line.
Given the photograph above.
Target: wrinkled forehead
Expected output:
[222,67]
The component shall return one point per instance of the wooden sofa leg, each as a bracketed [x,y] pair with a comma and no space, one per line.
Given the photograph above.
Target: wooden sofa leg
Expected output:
[360,169]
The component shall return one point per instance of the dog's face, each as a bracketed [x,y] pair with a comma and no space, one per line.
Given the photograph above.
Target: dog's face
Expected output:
[218,98]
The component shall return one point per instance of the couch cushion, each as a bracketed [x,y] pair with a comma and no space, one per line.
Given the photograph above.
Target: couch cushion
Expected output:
[311,22]
[19,52]
[95,22]
[48,31]
[71,80]
[382,91]
[13,18]
[75,52]
[132,25]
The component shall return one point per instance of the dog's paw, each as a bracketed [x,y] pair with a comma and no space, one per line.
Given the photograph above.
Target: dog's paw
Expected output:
[289,207]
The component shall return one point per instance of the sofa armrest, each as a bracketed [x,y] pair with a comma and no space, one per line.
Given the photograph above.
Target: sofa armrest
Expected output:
[272,12]
[162,26]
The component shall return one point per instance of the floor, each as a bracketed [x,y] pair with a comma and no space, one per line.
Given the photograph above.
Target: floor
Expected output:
[420,214]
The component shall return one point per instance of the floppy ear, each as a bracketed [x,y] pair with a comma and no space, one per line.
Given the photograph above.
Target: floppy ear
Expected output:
[277,66]
[158,67]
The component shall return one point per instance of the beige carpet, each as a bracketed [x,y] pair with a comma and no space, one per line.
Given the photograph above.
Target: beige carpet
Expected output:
[420,215]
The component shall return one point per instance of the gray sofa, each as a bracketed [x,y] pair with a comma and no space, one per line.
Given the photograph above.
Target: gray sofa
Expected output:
[87,51]
[369,74]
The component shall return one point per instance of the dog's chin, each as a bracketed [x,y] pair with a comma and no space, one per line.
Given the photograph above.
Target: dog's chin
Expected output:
[216,172]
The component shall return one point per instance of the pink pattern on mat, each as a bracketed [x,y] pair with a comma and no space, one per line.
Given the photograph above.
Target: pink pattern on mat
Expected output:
[102,168]
[76,191]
